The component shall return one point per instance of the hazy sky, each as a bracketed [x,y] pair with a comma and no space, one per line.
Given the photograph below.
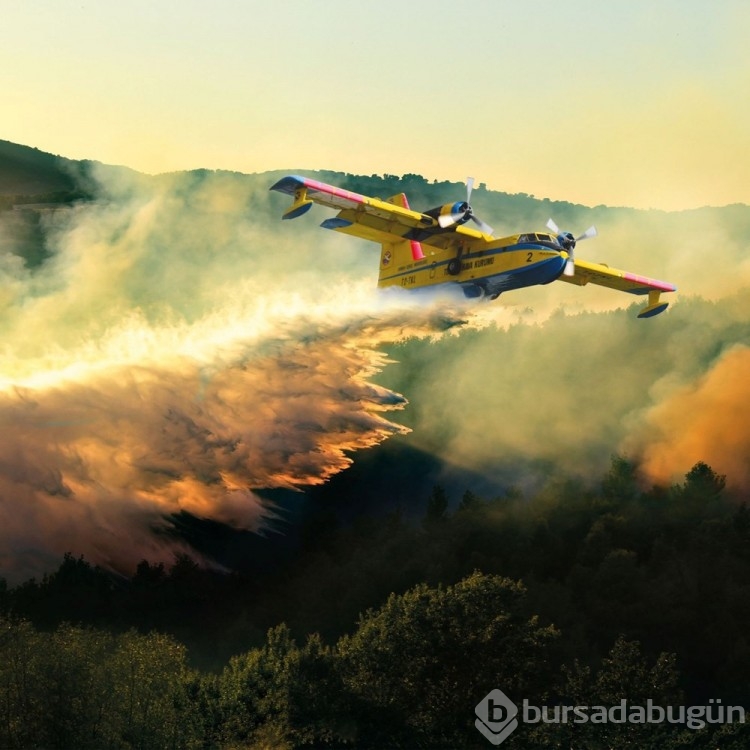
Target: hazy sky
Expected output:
[629,102]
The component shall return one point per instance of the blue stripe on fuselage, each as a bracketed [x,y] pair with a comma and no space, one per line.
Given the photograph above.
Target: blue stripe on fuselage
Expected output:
[541,272]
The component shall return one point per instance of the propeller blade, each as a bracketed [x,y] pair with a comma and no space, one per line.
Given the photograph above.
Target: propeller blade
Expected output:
[569,244]
[486,228]
[469,188]
[590,232]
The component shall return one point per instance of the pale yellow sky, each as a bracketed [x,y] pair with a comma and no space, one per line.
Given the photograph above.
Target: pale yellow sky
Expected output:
[638,102]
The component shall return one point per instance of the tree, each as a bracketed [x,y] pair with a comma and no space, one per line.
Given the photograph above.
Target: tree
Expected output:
[75,687]
[150,681]
[621,482]
[703,483]
[420,664]
[282,695]
[470,502]
[76,592]
[437,506]
[625,674]
[21,703]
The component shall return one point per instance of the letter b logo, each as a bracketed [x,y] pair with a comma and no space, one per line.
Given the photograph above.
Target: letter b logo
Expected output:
[496,716]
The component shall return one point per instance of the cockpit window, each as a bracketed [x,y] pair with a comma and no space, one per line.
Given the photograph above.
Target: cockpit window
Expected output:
[539,237]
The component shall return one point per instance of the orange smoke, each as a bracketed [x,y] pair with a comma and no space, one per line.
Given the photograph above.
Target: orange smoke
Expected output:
[705,421]
[175,354]
[92,463]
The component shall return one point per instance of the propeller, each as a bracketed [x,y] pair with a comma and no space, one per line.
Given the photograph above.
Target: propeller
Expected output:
[463,212]
[568,243]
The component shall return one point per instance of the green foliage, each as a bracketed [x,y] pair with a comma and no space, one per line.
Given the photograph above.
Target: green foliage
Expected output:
[668,567]
[79,688]
[149,676]
[415,664]
[437,506]
[75,592]
[21,699]
[31,171]
[420,663]
[702,483]
[282,692]
[624,675]
[621,482]
[470,502]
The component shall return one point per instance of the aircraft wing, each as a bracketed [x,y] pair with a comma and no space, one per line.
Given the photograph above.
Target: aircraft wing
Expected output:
[624,281]
[372,218]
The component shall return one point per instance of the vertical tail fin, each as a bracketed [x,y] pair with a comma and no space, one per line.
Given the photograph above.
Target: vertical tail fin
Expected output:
[416,248]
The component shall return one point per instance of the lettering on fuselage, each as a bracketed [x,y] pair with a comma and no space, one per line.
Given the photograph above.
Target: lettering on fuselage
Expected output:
[410,266]
[481,263]
[484,262]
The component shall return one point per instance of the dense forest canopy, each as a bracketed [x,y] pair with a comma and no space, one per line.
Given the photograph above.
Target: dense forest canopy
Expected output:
[572,594]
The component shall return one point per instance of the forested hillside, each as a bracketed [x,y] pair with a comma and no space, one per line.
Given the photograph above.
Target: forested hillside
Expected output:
[28,175]
[385,633]
[298,515]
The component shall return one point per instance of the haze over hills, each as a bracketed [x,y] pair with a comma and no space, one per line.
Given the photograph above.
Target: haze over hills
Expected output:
[173,325]
[26,170]
[28,175]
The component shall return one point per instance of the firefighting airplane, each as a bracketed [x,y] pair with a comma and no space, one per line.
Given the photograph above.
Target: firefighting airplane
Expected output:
[438,246]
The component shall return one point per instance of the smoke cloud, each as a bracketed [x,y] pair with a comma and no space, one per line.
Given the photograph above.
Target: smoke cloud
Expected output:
[171,354]
[707,420]
[561,377]
[174,348]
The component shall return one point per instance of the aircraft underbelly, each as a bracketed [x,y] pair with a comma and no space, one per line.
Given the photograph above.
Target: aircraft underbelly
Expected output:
[542,272]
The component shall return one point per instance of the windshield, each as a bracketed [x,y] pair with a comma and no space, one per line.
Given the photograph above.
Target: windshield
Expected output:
[540,238]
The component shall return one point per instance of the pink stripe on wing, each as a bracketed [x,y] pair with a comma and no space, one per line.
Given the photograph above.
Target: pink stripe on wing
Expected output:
[662,286]
[321,187]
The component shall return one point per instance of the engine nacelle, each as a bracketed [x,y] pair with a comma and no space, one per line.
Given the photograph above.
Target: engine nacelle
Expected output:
[567,241]
[450,214]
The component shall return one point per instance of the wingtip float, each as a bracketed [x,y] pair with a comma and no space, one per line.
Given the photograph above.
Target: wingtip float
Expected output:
[439,246]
